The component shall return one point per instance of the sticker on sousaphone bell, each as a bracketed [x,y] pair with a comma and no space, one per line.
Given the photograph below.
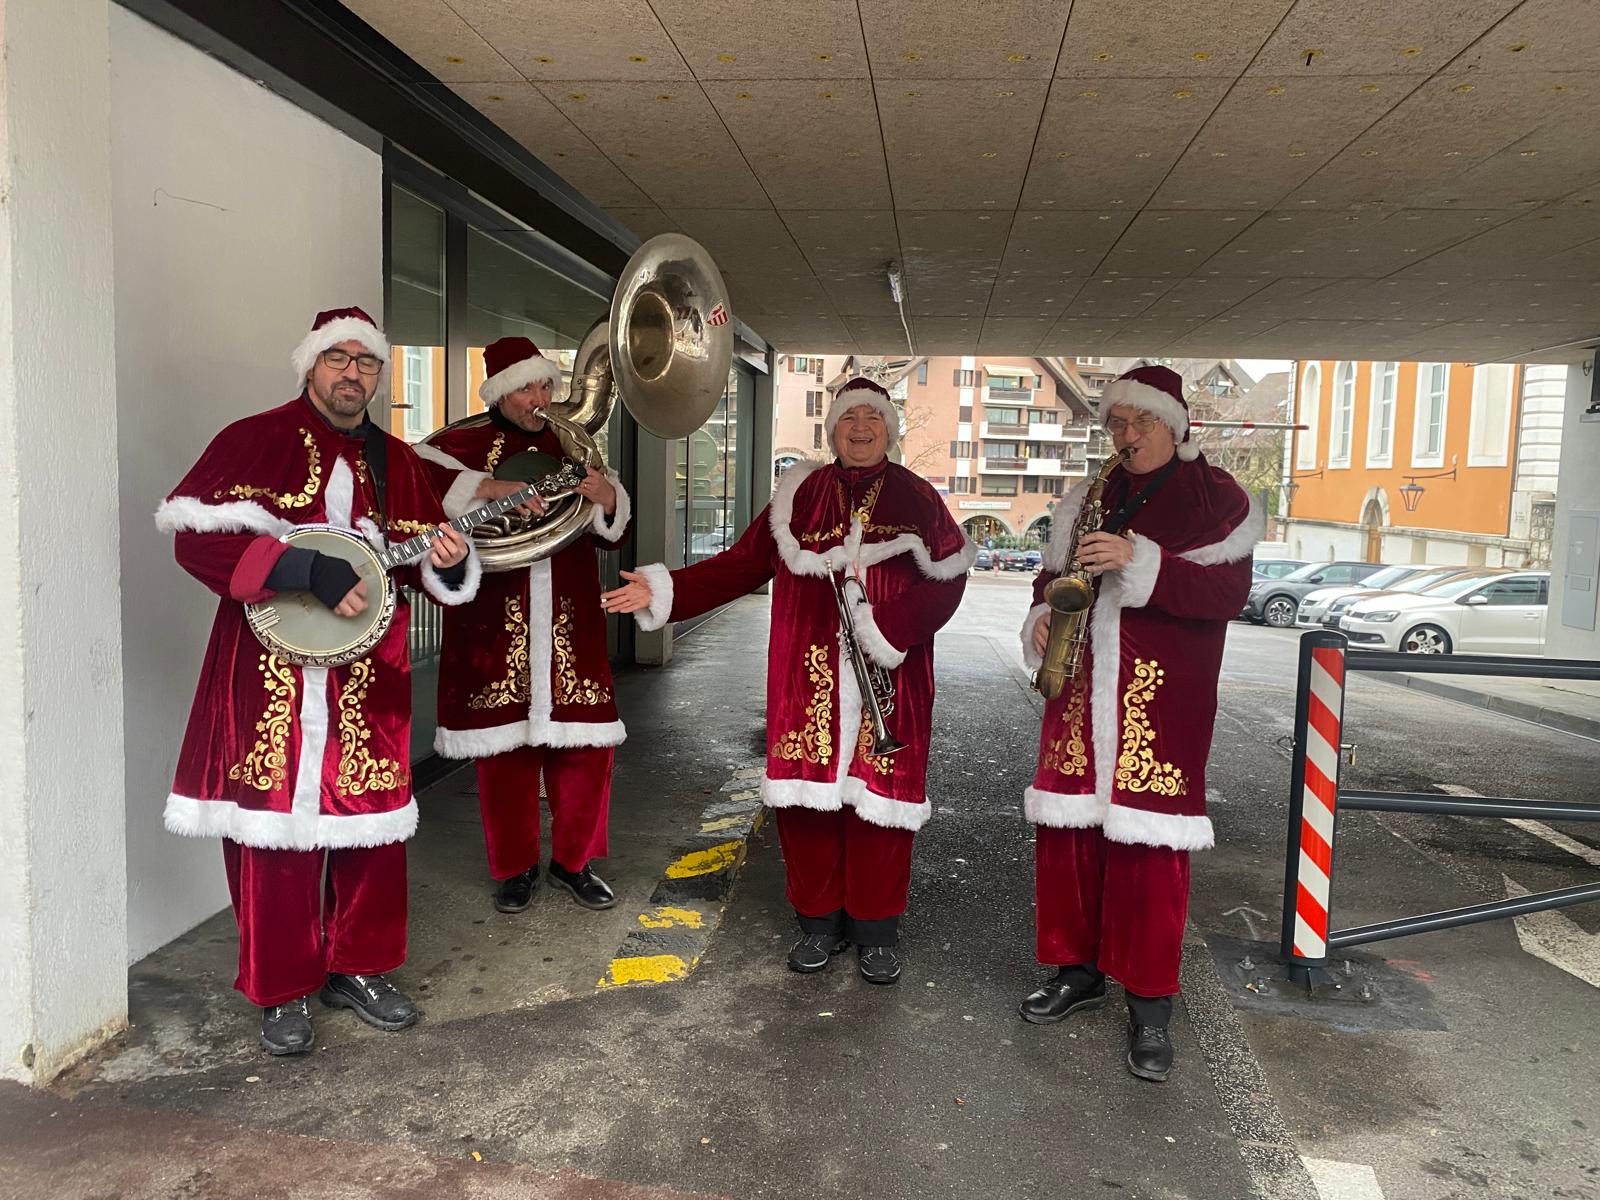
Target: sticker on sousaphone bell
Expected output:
[719,315]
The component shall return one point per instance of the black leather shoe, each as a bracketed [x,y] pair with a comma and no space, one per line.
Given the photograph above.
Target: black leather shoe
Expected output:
[587,888]
[813,951]
[286,1028]
[375,1000]
[1064,995]
[879,964]
[515,894]
[1149,1051]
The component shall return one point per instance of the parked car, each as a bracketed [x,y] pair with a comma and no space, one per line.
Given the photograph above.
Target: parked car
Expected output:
[1275,601]
[1034,558]
[1275,568]
[1012,560]
[984,561]
[1313,605]
[1424,581]
[1501,613]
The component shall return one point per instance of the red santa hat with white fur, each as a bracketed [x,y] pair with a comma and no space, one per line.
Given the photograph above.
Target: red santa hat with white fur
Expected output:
[512,363]
[336,325]
[862,390]
[1159,392]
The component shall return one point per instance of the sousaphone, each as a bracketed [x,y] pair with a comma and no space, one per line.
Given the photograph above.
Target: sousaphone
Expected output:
[664,352]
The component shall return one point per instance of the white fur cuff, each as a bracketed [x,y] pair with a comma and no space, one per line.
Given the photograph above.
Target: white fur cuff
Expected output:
[873,644]
[1031,658]
[462,497]
[1062,812]
[450,597]
[1139,827]
[660,580]
[184,514]
[612,528]
[885,811]
[1139,576]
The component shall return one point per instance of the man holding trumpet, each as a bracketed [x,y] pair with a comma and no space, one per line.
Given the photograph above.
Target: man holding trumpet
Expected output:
[864,556]
[1119,796]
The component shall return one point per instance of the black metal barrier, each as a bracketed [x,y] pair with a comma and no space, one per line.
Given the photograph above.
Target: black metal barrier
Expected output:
[1316,799]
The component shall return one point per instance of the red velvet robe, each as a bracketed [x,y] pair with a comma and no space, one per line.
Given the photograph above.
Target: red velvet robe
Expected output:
[1125,748]
[278,756]
[525,664]
[914,559]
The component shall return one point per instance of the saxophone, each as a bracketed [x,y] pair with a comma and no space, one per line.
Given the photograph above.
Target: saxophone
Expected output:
[1071,594]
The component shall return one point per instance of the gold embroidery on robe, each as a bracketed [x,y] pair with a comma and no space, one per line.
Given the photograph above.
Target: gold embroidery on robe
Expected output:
[286,499]
[494,453]
[883,766]
[814,743]
[359,770]
[513,689]
[266,767]
[1066,755]
[412,528]
[1138,769]
[569,688]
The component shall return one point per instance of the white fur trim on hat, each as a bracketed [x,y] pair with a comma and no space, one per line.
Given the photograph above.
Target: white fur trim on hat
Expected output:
[534,369]
[345,329]
[855,393]
[1148,399]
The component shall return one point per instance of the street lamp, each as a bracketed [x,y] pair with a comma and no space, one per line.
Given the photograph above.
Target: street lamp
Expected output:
[1411,492]
[1291,487]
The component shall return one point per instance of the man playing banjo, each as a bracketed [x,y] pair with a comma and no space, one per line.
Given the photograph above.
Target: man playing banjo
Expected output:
[524,679]
[303,771]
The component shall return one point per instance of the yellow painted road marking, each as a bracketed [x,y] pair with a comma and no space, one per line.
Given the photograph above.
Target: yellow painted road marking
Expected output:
[654,968]
[666,917]
[725,823]
[755,795]
[704,862]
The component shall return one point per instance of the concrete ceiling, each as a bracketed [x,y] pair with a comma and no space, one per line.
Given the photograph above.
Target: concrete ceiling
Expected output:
[1402,179]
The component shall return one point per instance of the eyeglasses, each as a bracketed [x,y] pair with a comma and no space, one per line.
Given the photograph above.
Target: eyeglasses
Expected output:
[1143,424]
[338,360]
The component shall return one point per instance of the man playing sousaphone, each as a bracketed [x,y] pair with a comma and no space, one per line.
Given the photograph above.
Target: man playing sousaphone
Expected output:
[524,680]
[846,817]
[304,772]
[1119,797]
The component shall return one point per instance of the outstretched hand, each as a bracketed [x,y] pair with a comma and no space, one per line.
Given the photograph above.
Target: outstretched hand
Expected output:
[630,597]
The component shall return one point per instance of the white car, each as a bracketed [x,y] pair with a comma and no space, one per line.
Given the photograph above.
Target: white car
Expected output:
[1314,605]
[1424,580]
[1495,614]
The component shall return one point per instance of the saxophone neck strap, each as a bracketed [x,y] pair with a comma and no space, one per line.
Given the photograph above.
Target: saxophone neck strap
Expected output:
[1130,505]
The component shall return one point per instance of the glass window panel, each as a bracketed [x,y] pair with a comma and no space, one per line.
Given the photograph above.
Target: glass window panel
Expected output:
[415,317]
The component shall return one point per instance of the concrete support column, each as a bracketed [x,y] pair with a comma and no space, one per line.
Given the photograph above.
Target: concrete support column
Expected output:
[63,877]
[655,531]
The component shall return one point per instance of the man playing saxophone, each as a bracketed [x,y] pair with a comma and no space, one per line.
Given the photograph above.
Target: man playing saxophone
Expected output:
[1119,795]
[863,545]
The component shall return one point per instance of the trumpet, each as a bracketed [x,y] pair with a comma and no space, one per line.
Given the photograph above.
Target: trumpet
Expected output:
[874,682]
[1071,594]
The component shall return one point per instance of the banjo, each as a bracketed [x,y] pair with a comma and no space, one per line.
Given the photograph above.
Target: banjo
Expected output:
[300,629]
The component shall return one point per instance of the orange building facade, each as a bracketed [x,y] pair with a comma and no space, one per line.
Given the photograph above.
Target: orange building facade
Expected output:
[1378,432]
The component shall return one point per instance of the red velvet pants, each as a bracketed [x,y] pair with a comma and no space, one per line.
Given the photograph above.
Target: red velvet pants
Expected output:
[839,864]
[577,780]
[1117,907]
[293,930]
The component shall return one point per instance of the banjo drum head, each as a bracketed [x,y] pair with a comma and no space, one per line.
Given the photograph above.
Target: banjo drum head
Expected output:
[303,630]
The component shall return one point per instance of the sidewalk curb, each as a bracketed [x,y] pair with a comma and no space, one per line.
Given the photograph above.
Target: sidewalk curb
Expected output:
[687,904]
[1550,718]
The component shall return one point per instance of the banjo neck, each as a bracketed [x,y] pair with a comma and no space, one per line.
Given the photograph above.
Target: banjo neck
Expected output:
[554,487]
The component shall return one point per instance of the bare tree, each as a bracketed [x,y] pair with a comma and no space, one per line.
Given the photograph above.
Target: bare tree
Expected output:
[922,453]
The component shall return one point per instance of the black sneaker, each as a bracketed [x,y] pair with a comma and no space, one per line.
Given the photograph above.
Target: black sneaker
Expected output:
[587,888]
[515,894]
[813,951]
[1149,1052]
[375,1000]
[1067,993]
[879,964]
[286,1028]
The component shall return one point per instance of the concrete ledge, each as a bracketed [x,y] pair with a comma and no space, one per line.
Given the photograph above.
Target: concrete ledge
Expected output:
[1527,710]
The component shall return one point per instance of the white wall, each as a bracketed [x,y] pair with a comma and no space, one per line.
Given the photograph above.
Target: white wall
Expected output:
[237,216]
[62,919]
[1580,489]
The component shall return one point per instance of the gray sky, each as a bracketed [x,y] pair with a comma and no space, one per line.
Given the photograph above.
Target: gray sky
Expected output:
[1259,367]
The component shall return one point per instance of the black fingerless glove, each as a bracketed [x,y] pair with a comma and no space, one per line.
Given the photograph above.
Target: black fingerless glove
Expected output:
[331,579]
